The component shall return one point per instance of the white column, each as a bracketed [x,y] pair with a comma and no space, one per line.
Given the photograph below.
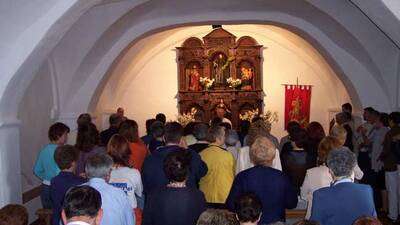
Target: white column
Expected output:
[10,166]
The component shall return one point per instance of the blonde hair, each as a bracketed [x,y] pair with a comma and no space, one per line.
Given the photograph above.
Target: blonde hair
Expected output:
[340,133]
[262,151]
[325,146]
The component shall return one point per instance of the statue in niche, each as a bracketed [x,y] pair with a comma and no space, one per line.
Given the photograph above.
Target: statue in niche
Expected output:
[194,78]
[221,68]
[247,74]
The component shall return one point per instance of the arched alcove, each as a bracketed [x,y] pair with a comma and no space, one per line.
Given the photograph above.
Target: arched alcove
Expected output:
[145,82]
[78,46]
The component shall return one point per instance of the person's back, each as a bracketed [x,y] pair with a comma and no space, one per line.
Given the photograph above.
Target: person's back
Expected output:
[315,179]
[128,180]
[342,203]
[106,135]
[175,206]
[272,187]
[45,166]
[198,147]
[153,175]
[115,204]
[154,144]
[221,172]
[157,132]
[200,131]
[175,203]
[130,130]
[149,136]
[295,158]
[295,164]
[139,153]
[87,142]
[65,157]
[59,186]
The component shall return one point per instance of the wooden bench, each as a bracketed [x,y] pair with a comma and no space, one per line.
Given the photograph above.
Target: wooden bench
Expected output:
[295,213]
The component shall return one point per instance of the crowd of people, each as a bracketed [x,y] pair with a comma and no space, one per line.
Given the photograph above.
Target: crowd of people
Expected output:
[208,173]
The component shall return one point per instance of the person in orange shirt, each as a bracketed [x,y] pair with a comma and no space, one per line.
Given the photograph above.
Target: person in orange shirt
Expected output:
[129,129]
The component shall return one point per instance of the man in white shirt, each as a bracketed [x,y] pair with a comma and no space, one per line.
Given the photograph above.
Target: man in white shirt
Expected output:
[115,203]
[82,206]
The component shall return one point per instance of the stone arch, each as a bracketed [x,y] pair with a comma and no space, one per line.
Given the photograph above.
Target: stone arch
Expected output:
[309,34]
[349,53]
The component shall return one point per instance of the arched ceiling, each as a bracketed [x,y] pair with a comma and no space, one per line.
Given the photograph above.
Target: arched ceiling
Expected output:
[135,58]
[83,39]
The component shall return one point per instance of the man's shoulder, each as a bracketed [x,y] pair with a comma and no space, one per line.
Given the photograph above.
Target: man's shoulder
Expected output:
[322,192]
[361,187]
[113,191]
[67,181]
[265,171]
[348,187]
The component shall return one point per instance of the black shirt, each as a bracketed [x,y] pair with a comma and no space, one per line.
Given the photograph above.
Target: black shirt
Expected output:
[174,206]
[106,135]
[295,164]
[198,147]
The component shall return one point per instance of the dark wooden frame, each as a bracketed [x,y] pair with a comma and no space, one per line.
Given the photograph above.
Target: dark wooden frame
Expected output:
[219,40]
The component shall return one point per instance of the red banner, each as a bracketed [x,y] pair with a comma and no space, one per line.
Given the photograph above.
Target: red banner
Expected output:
[297,104]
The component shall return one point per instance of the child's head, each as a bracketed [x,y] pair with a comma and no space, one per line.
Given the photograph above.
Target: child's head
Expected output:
[248,208]
[58,133]
[66,157]
[13,215]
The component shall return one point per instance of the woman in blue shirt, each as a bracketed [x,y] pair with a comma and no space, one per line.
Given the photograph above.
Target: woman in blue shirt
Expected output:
[45,167]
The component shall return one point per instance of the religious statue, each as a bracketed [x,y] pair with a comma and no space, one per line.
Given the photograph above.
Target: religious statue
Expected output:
[247,76]
[295,114]
[194,79]
[221,68]
[221,111]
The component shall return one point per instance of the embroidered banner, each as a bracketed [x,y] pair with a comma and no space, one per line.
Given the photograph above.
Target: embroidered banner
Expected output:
[297,104]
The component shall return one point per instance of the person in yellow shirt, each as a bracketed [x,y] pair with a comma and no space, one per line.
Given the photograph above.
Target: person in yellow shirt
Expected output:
[217,183]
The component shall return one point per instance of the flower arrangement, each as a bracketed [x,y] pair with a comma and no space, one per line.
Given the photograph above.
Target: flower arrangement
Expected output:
[249,115]
[233,83]
[186,118]
[268,117]
[206,82]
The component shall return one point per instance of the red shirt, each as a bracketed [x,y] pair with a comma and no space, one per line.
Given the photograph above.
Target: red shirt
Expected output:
[139,153]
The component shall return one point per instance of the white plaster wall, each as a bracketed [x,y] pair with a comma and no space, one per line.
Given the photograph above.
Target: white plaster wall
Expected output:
[149,83]
[10,172]
[35,116]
